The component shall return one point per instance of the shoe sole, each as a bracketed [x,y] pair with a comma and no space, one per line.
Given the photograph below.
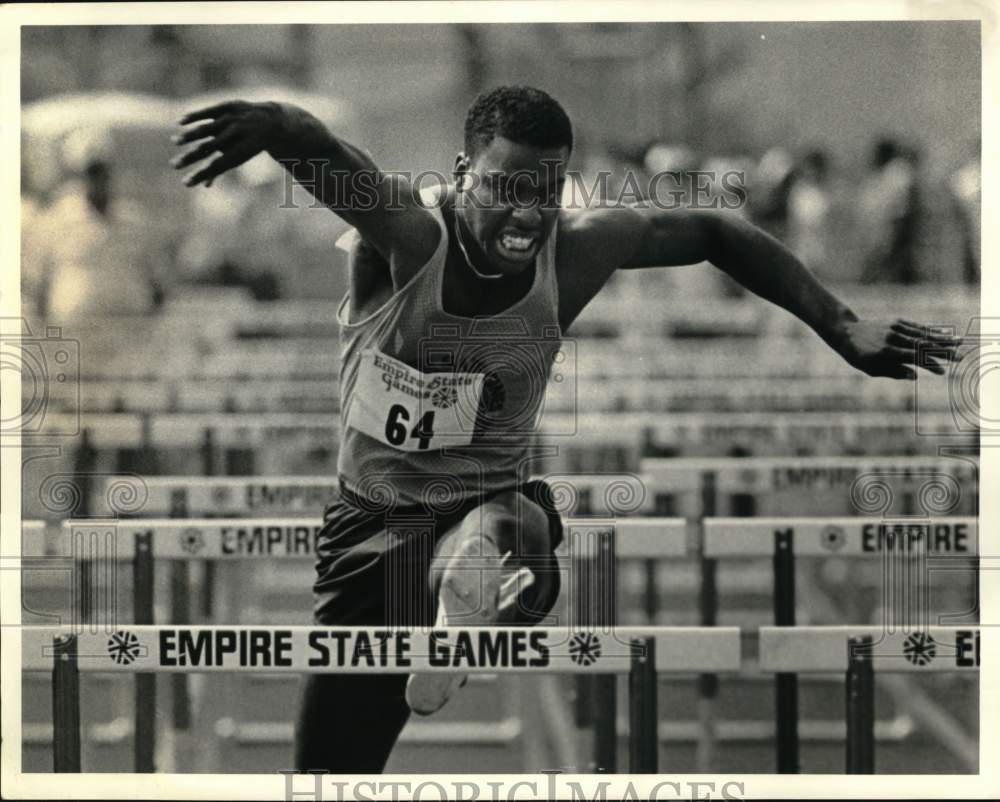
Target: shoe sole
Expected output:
[428,693]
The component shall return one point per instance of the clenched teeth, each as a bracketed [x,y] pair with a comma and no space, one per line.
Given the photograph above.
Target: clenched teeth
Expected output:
[517,243]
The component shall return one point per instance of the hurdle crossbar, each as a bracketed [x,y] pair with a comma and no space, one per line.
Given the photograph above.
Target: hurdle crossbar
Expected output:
[254,429]
[367,650]
[826,649]
[321,395]
[770,474]
[641,653]
[842,537]
[621,493]
[279,538]
[858,653]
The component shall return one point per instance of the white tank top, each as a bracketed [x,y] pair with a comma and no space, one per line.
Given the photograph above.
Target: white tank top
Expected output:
[435,407]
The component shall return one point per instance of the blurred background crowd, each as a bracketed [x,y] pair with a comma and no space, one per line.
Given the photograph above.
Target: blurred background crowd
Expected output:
[858,144]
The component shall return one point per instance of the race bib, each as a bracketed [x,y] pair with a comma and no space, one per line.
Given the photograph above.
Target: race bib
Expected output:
[413,411]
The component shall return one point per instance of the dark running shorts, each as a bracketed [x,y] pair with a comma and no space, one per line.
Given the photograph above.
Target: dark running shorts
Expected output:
[372,569]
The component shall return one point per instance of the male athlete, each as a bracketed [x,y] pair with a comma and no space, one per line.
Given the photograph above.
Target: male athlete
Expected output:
[452,321]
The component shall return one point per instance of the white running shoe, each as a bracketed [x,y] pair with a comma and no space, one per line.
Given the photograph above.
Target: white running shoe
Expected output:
[460,590]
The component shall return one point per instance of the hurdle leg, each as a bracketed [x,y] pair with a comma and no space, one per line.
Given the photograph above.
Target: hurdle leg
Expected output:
[65,706]
[208,460]
[180,613]
[606,723]
[860,707]
[145,683]
[643,731]
[651,600]
[605,685]
[786,686]
[708,609]
[708,684]
[665,505]
[595,703]
[83,467]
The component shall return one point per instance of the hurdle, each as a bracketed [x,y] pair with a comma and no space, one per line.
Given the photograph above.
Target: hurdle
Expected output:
[859,652]
[784,538]
[186,429]
[641,653]
[201,395]
[720,484]
[240,437]
[252,495]
[725,486]
[592,545]
[728,486]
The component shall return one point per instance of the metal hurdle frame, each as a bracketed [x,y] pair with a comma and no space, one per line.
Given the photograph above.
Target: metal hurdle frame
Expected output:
[590,545]
[858,653]
[783,539]
[605,703]
[142,430]
[201,395]
[642,653]
[715,479]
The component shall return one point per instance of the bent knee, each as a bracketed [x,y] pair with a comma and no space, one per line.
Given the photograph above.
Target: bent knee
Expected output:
[516,524]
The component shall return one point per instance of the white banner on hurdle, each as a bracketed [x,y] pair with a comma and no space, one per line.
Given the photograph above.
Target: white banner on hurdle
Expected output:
[383,650]
[620,494]
[249,538]
[635,538]
[809,428]
[799,474]
[826,649]
[843,537]
[220,495]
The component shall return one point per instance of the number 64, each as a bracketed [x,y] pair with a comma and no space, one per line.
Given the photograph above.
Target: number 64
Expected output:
[395,429]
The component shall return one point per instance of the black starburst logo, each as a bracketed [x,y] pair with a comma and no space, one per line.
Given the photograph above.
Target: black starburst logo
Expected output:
[919,648]
[192,541]
[444,397]
[123,648]
[221,494]
[584,649]
[832,538]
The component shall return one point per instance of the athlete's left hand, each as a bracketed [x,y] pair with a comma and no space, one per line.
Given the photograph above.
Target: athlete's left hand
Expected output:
[881,348]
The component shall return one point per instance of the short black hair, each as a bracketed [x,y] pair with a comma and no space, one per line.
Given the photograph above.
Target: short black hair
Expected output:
[521,114]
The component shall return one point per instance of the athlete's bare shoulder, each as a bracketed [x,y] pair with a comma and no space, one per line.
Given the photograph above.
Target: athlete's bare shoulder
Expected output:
[591,245]
[373,281]
[598,239]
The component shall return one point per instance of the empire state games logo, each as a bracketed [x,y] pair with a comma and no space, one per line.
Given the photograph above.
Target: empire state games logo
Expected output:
[919,648]
[584,649]
[124,648]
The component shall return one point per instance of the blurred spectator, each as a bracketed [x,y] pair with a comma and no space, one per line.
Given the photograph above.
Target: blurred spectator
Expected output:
[239,237]
[888,210]
[258,230]
[770,192]
[667,167]
[809,204]
[87,255]
[964,188]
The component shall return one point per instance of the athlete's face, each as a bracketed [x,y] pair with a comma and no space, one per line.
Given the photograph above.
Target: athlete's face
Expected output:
[509,199]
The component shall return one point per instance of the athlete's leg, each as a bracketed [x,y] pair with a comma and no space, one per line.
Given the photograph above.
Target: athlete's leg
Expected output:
[490,547]
[348,723]
[479,568]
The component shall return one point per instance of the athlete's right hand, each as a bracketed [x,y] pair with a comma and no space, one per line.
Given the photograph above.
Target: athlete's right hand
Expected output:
[237,130]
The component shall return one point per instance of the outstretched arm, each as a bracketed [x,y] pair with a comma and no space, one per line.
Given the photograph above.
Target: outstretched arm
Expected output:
[659,238]
[382,207]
